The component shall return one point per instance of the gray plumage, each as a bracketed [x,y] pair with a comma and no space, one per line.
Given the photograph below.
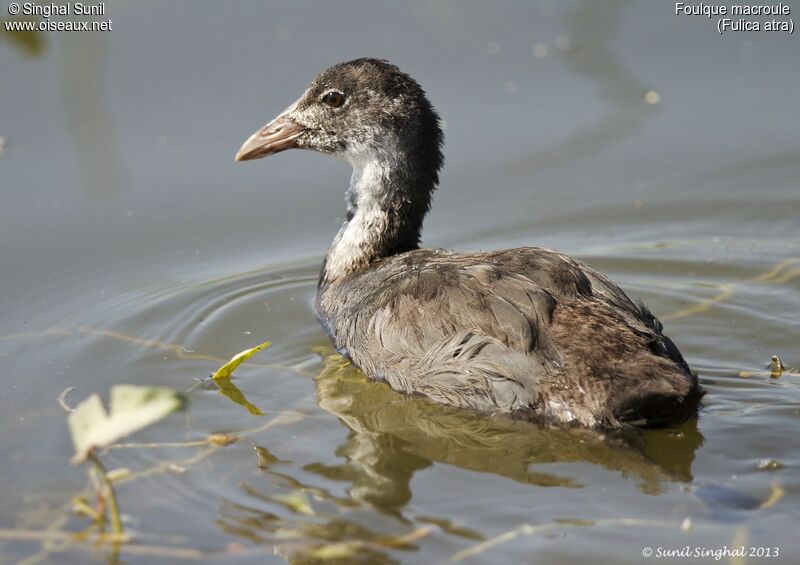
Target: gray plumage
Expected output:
[527,331]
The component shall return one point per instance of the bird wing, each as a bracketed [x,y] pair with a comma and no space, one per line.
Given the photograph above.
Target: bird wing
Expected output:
[518,329]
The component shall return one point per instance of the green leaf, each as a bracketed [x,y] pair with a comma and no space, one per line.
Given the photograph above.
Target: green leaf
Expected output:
[228,368]
[223,379]
[132,408]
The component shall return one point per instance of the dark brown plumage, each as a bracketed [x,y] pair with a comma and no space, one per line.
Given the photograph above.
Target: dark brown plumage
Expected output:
[526,331]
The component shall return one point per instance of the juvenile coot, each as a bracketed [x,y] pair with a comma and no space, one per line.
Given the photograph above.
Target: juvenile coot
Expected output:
[527,331]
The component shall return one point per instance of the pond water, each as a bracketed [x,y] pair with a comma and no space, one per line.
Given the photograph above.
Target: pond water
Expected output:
[134,250]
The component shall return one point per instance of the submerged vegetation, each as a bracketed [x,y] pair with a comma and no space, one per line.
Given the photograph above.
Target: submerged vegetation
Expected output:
[132,408]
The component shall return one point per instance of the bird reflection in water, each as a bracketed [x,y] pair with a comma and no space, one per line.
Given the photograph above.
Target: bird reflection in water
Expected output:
[391,436]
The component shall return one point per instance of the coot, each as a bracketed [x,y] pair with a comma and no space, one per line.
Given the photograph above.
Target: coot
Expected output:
[527,331]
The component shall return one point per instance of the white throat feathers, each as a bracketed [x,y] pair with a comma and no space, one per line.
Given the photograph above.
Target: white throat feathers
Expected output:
[367,223]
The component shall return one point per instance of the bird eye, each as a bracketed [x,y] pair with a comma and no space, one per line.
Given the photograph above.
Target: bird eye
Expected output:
[333,99]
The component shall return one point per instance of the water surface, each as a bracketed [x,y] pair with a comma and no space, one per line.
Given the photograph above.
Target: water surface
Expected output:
[134,250]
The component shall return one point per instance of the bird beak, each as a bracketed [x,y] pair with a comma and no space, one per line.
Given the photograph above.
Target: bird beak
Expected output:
[278,135]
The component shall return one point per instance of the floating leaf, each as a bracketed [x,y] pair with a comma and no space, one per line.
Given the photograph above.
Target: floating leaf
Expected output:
[132,408]
[222,378]
[228,368]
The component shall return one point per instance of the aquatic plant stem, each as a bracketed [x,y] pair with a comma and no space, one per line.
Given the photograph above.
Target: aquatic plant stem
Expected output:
[108,494]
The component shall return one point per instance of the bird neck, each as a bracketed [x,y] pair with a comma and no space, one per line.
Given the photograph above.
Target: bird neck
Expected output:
[386,204]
